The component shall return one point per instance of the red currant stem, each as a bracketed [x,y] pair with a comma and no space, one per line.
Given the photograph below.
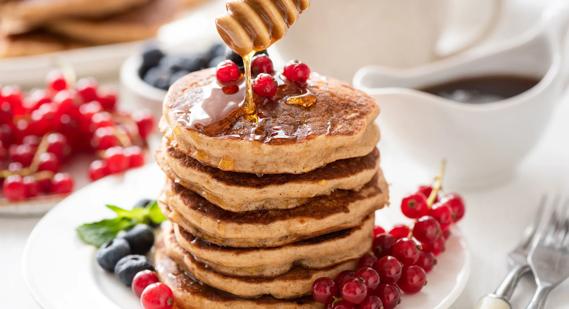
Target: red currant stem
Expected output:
[35,161]
[437,186]
[131,128]
[67,70]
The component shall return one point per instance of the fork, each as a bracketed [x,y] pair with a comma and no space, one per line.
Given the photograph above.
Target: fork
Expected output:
[519,267]
[549,258]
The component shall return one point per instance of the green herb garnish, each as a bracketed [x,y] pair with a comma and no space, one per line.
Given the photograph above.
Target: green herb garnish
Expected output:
[98,233]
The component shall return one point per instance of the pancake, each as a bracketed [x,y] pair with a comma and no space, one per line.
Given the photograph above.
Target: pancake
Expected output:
[192,294]
[239,192]
[272,228]
[35,43]
[295,283]
[137,24]
[317,252]
[17,17]
[286,139]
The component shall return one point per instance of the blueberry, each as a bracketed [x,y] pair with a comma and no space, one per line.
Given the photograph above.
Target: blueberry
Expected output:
[151,56]
[111,252]
[129,266]
[140,238]
[215,61]
[177,75]
[143,203]
[216,50]
[158,78]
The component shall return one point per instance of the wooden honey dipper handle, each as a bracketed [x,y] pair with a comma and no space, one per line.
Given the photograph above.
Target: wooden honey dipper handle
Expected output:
[254,25]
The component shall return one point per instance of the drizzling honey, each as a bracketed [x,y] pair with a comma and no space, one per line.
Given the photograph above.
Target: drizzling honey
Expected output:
[254,25]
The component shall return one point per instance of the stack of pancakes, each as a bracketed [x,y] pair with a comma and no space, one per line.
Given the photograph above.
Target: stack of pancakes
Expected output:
[259,210]
[30,27]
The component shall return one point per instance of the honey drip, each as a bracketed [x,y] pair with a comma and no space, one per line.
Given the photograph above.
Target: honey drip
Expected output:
[249,107]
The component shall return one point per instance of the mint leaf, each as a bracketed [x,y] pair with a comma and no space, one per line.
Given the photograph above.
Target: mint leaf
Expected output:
[155,214]
[98,233]
[136,214]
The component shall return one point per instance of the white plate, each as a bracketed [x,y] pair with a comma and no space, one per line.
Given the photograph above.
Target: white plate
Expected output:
[61,271]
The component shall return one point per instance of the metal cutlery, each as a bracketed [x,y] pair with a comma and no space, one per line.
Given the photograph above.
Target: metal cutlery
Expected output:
[549,258]
[519,266]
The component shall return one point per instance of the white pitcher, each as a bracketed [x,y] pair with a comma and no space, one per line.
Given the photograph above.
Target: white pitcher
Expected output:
[483,143]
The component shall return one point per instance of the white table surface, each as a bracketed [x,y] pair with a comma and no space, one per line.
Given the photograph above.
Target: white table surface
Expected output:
[495,219]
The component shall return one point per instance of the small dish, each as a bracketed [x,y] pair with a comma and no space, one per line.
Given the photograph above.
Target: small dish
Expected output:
[54,257]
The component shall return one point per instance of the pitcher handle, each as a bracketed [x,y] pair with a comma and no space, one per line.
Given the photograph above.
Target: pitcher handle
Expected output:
[481,36]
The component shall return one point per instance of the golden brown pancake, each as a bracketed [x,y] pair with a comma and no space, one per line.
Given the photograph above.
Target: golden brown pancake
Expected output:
[286,139]
[295,283]
[136,24]
[316,252]
[189,293]
[23,16]
[272,228]
[35,43]
[239,192]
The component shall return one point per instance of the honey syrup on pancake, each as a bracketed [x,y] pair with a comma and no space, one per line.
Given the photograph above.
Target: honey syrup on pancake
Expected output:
[250,26]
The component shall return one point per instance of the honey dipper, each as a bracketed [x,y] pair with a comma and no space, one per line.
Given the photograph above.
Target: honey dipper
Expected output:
[253,25]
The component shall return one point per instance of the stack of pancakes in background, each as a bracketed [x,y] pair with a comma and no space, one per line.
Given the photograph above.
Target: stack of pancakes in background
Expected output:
[258,211]
[31,27]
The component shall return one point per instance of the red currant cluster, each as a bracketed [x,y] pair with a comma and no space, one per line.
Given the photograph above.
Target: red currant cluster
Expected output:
[265,84]
[153,294]
[400,259]
[40,131]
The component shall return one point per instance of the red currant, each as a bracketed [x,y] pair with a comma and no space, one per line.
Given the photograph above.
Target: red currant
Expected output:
[23,154]
[87,89]
[413,279]
[456,204]
[45,185]
[227,73]
[262,64]
[56,81]
[442,213]
[233,89]
[143,279]
[62,183]
[265,85]
[101,120]
[64,102]
[344,276]
[157,296]
[108,100]
[297,72]
[135,156]
[447,233]
[438,246]
[427,261]
[57,144]
[427,229]
[400,231]
[38,98]
[31,187]
[354,291]
[31,140]
[323,290]
[116,160]
[97,170]
[388,268]
[14,189]
[378,230]
[48,162]
[367,260]
[14,98]
[342,304]
[371,302]
[145,123]
[426,190]
[389,294]
[43,119]
[86,113]
[105,138]
[414,206]
[406,251]
[382,243]
[369,276]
